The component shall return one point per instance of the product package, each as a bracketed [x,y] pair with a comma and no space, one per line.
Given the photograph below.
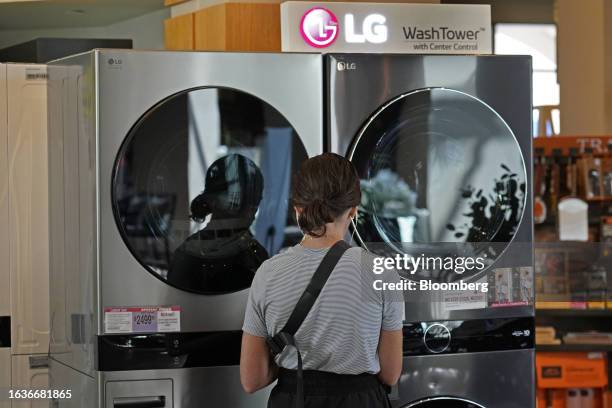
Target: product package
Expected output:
[551,278]
[571,370]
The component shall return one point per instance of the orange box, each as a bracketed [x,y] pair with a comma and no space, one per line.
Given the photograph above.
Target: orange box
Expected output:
[571,370]
[549,398]
[541,398]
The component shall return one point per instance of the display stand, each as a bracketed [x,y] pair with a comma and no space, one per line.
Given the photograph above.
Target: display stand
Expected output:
[573,279]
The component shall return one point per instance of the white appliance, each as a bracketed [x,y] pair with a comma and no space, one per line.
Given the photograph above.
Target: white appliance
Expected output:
[24,267]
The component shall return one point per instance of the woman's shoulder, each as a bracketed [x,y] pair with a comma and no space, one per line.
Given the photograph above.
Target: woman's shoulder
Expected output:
[280,260]
[361,255]
[293,257]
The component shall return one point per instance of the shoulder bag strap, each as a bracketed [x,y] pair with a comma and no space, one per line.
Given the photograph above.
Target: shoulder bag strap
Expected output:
[285,337]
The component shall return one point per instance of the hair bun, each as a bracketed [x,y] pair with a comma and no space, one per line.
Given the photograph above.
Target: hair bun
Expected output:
[199,208]
[314,215]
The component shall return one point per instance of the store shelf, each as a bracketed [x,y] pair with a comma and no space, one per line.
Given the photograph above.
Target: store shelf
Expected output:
[599,199]
[573,313]
[574,347]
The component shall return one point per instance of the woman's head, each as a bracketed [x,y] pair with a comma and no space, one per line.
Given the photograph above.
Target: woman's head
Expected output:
[325,190]
[233,189]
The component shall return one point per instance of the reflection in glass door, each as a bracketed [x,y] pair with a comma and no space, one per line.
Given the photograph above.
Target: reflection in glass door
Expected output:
[201,188]
[439,167]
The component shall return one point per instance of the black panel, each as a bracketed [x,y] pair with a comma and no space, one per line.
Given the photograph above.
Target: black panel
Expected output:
[5,331]
[169,350]
[43,50]
[201,188]
[468,336]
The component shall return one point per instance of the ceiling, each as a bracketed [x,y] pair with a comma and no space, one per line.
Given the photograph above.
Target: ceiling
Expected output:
[516,11]
[41,14]
[37,14]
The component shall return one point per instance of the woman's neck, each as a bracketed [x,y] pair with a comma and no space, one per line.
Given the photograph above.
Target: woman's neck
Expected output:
[332,235]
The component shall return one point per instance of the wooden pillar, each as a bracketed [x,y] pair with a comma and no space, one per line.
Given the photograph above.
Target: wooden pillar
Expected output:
[585,66]
[179,33]
[238,27]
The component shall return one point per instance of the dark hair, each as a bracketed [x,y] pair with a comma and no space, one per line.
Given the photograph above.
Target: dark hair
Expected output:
[325,187]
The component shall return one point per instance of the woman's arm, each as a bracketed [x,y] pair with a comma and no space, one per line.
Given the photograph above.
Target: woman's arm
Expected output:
[390,356]
[257,370]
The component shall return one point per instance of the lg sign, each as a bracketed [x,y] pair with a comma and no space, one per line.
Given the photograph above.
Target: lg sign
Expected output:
[319,28]
[373,29]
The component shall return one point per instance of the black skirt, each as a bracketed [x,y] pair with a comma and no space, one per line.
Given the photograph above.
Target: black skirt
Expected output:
[329,390]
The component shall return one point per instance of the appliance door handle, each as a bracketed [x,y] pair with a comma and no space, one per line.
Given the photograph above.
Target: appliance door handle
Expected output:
[39,361]
[139,402]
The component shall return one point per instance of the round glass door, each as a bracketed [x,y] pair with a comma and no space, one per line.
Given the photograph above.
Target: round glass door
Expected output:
[443,402]
[201,187]
[439,168]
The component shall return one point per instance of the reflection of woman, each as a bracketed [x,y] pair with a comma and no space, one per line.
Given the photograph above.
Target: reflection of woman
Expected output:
[224,255]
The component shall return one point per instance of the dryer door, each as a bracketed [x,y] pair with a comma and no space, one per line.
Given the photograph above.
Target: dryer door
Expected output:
[443,402]
[438,166]
[201,187]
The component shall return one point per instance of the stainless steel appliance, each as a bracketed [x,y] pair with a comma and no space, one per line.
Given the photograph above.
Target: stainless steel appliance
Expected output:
[443,147]
[479,363]
[169,182]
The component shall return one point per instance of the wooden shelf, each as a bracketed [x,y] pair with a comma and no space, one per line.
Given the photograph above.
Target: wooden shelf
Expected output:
[599,199]
[580,144]
[606,348]
[573,313]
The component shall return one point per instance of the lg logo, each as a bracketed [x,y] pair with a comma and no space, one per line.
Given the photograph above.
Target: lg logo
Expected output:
[319,28]
[114,63]
[373,29]
[346,66]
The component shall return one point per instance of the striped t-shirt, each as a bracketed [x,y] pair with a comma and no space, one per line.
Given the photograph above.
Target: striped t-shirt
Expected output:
[342,330]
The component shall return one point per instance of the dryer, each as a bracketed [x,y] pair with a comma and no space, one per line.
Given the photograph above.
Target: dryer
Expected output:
[170,178]
[443,148]
[475,363]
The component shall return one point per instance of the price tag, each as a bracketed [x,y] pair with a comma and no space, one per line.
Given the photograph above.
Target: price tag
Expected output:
[154,319]
[144,321]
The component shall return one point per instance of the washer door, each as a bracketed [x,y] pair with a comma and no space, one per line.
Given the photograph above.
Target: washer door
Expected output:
[201,187]
[438,166]
[443,402]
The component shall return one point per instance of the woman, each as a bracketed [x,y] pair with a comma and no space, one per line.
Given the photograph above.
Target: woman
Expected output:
[351,341]
[223,256]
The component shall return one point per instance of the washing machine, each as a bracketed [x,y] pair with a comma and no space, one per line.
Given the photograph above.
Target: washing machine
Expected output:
[170,175]
[477,363]
[443,146]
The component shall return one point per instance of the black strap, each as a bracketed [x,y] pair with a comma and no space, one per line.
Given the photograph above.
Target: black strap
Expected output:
[285,337]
